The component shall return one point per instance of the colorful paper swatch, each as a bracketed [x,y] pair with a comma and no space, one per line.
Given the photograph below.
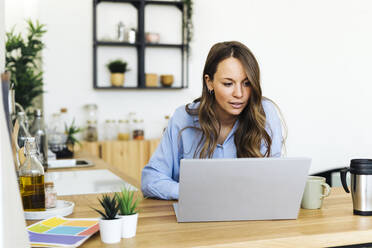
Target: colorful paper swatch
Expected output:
[62,232]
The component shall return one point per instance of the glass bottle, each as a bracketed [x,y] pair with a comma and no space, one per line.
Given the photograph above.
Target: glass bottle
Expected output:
[23,129]
[50,195]
[111,130]
[131,117]
[91,133]
[138,131]
[121,31]
[31,179]
[124,133]
[106,130]
[38,131]
[91,112]
[56,134]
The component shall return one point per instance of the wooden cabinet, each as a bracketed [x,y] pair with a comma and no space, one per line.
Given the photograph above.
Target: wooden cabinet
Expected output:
[128,157]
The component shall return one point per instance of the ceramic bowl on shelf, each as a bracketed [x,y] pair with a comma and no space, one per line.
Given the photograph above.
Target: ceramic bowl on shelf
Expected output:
[166,80]
[152,37]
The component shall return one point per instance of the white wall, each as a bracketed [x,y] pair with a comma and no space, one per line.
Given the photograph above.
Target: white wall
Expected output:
[2,36]
[314,57]
[2,65]
[12,223]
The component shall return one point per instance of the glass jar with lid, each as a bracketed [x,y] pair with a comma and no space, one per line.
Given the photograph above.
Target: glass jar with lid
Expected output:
[124,130]
[91,133]
[138,129]
[91,112]
[111,129]
[56,134]
[91,116]
[50,195]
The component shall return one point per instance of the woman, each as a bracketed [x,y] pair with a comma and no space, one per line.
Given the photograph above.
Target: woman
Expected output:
[231,119]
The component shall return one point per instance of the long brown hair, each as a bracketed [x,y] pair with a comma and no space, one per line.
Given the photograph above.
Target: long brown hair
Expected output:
[251,129]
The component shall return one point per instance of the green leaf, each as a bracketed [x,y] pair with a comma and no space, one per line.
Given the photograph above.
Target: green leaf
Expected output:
[110,206]
[23,60]
[128,202]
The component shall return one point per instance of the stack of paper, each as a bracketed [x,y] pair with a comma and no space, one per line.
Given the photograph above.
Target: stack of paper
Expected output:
[61,232]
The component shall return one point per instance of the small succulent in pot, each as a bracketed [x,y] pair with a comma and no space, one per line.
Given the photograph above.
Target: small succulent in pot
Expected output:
[71,140]
[128,202]
[110,225]
[110,206]
[128,206]
[117,68]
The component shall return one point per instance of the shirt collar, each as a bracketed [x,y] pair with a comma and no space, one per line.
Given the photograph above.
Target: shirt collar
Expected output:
[195,119]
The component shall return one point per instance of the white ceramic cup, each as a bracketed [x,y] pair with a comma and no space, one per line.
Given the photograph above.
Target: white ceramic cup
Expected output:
[316,189]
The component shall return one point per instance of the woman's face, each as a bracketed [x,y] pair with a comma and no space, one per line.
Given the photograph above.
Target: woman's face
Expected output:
[231,88]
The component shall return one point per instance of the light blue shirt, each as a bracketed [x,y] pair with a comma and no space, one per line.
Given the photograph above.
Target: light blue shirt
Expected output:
[161,175]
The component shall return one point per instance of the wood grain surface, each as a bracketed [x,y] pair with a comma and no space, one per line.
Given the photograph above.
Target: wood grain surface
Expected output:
[127,156]
[332,225]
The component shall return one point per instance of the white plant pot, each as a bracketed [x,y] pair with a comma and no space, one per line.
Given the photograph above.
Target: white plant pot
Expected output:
[129,225]
[110,230]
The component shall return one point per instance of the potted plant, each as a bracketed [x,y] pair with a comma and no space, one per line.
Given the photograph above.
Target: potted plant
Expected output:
[117,68]
[23,61]
[110,224]
[128,208]
[71,140]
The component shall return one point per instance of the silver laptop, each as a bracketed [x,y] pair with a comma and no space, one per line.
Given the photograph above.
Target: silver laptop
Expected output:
[240,189]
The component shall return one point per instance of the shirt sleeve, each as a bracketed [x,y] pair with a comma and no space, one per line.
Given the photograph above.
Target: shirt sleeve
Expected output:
[158,175]
[274,129]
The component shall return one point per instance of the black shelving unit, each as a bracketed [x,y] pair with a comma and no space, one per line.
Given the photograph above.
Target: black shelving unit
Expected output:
[141,44]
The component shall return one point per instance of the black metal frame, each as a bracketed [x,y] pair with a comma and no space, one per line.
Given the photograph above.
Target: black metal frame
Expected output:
[141,45]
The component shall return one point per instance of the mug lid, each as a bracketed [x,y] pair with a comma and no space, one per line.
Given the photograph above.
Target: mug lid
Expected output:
[361,166]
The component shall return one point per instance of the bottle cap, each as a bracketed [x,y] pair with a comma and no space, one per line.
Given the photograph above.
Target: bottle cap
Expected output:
[38,113]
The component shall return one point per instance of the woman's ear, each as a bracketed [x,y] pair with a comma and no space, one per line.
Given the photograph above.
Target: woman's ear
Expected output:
[209,82]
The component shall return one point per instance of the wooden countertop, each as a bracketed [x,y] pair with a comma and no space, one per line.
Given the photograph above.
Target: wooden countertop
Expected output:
[333,225]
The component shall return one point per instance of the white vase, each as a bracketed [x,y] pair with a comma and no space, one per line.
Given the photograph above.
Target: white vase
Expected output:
[129,225]
[110,230]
